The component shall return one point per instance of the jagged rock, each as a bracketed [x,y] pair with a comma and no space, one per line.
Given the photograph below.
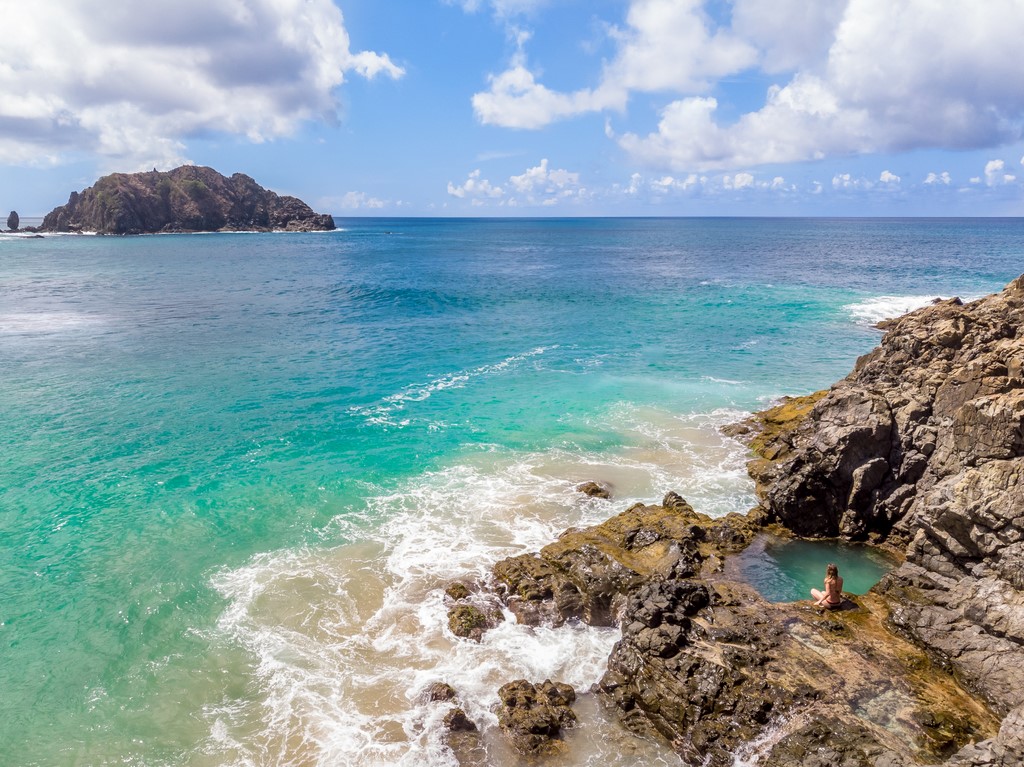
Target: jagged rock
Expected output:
[587,574]
[457,591]
[1004,750]
[187,199]
[922,447]
[594,490]
[13,220]
[469,621]
[457,721]
[532,716]
[713,670]
[438,691]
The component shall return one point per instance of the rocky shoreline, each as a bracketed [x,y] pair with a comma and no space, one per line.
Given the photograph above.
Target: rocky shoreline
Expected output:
[919,450]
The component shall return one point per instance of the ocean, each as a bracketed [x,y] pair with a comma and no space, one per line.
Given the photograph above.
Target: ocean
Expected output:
[238,470]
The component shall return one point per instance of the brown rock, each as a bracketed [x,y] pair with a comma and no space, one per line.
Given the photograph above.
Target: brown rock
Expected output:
[595,490]
[457,721]
[439,691]
[457,591]
[532,716]
[469,621]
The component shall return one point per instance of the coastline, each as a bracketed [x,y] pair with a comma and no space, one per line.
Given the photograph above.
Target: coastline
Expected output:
[902,675]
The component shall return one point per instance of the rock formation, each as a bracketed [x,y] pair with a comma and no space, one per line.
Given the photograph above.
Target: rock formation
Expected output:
[186,199]
[922,445]
[921,450]
[532,715]
[595,490]
[13,220]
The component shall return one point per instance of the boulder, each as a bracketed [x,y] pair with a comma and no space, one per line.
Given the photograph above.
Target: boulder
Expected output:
[594,490]
[469,621]
[13,220]
[532,716]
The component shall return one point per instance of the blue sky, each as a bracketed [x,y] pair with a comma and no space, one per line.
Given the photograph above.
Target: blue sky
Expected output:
[529,107]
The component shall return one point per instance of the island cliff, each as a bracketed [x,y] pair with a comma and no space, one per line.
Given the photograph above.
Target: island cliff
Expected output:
[920,450]
[187,199]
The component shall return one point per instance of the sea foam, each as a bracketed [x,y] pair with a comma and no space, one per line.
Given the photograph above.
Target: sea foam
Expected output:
[346,638]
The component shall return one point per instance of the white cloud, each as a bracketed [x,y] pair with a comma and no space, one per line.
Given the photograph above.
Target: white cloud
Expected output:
[539,179]
[665,45]
[475,187]
[539,185]
[862,76]
[517,100]
[898,75]
[354,201]
[501,8]
[845,181]
[887,177]
[790,34]
[940,178]
[135,85]
[995,173]
[739,181]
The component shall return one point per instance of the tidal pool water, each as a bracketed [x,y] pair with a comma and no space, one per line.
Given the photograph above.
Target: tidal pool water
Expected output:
[786,570]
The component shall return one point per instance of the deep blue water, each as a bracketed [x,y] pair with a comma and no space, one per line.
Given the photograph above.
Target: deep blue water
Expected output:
[210,440]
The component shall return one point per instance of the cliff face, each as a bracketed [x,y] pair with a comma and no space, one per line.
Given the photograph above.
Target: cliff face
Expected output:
[923,445]
[186,199]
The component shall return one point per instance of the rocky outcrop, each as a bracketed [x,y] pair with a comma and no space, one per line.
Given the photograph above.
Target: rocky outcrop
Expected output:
[13,220]
[922,446]
[920,450]
[187,199]
[595,490]
[587,574]
[708,665]
[533,716]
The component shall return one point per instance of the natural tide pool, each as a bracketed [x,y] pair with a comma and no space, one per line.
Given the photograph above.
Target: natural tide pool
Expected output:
[785,570]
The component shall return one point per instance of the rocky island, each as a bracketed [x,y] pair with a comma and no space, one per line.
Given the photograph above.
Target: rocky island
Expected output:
[190,198]
[920,450]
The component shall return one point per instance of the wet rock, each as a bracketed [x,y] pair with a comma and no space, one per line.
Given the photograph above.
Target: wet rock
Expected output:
[533,716]
[1004,750]
[457,591]
[595,490]
[457,721]
[587,574]
[438,691]
[922,447]
[471,622]
[13,220]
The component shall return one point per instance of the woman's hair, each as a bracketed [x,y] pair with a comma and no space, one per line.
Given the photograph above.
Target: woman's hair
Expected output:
[831,571]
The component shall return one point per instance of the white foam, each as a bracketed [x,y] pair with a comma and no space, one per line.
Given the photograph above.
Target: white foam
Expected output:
[345,639]
[874,310]
[383,412]
[19,323]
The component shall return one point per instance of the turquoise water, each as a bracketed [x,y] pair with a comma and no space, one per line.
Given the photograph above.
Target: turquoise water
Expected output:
[236,470]
[786,571]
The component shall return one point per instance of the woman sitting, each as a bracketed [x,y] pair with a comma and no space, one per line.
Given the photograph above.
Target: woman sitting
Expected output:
[832,597]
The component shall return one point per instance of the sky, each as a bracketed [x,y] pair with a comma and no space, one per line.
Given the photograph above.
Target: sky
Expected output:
[527,107]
